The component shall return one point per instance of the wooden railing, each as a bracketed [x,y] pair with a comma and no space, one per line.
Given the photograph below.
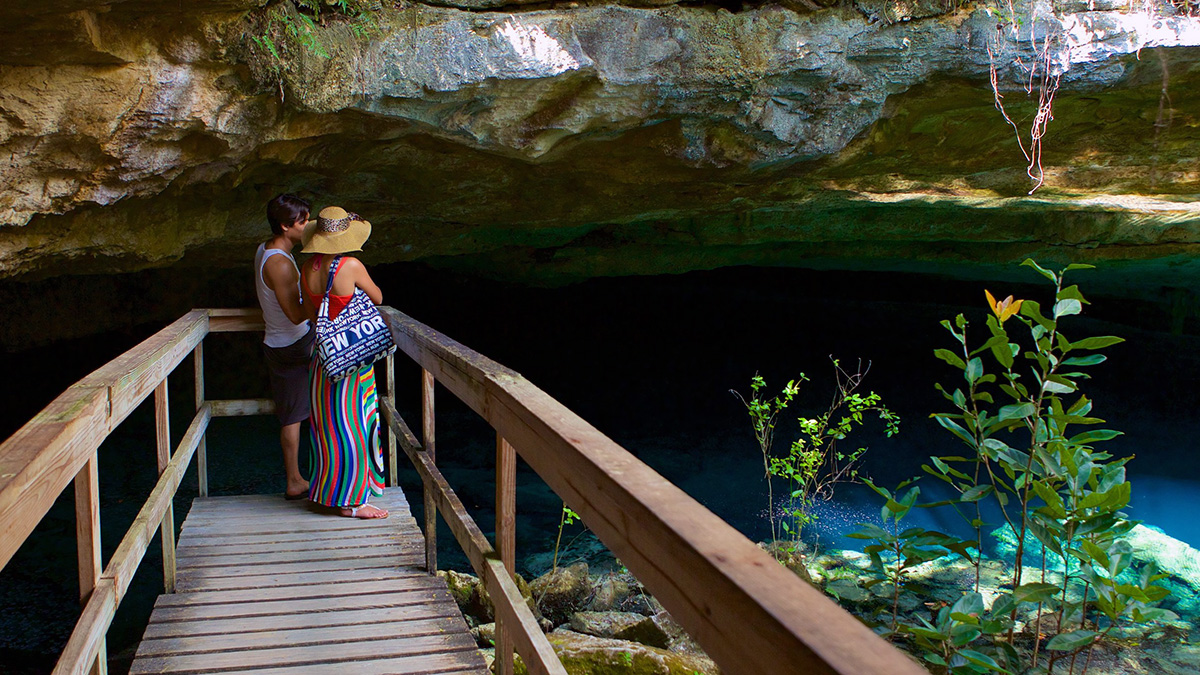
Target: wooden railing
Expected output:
[59,446]
[749,613]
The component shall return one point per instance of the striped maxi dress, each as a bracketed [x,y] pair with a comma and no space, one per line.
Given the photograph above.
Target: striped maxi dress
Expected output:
[347,460]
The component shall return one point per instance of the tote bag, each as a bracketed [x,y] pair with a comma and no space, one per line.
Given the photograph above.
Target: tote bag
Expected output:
[357,337]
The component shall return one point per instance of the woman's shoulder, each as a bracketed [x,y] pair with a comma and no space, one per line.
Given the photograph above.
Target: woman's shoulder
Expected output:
[352,264]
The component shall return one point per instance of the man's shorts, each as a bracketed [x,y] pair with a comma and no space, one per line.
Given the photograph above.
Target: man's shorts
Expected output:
[288,367]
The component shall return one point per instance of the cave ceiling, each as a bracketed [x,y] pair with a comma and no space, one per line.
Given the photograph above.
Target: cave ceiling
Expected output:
[552,142]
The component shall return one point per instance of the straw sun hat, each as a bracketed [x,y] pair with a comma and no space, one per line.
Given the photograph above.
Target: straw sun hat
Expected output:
[336,231]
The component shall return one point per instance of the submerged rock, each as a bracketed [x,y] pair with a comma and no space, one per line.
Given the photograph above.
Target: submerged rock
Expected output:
[1150,546]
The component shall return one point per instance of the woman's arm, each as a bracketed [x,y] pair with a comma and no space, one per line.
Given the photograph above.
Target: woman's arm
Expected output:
[362,279]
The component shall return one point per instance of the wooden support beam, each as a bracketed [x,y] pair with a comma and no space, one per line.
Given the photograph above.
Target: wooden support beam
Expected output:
[242,407]
[235,320]
[428,447]
[87,538]
[87,638]
[511,609]
[132,549]
[748,612]
[390,379]
[44,456]
[162,434]
[132,376]
[506,541]
[85,643]
[202,450]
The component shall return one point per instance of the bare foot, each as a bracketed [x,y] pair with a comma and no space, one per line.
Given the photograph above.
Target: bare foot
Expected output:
[296,490]
[365,511]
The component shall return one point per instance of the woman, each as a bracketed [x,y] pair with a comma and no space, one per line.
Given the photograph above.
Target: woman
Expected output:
[348,462]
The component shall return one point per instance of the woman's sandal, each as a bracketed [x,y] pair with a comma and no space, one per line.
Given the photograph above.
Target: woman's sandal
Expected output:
[355,509]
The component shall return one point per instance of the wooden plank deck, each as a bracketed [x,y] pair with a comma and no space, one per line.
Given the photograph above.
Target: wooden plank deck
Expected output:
[270,586]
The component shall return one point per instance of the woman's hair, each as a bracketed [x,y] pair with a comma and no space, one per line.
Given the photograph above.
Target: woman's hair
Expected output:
[286,209]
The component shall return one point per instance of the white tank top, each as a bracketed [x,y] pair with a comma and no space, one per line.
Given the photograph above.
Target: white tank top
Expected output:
[281,332]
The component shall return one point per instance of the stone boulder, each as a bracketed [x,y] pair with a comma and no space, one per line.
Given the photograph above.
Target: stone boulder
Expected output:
[621,626]
[472,597]
[588,655]
[562,592]
[611,593]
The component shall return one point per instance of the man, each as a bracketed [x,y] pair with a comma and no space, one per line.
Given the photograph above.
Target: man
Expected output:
[289,336]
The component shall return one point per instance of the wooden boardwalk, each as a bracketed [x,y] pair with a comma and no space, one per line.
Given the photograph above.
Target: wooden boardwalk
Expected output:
[270,586]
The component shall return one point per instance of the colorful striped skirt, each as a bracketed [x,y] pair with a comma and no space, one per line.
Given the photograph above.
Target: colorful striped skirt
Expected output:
[347,465]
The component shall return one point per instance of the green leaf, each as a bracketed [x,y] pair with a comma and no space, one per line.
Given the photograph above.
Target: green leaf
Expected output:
[950,357]
[956,429]
[1004,352]
[1016,411]
[1067,642]
[1067,307]
[1035,592]
[1064,387]
[1097,342]
[1071,292]
[1089,360]
[975,493]
[1041,270]
[1033,310]
[869,531]
[1094,436]
[1053,500]
[1078,266]
[974,369]
[981,659]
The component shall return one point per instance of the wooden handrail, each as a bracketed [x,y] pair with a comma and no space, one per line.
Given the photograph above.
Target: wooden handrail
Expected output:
[751,614]
[60,444]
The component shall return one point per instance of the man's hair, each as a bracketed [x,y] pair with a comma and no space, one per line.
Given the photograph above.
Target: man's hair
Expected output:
[286,209]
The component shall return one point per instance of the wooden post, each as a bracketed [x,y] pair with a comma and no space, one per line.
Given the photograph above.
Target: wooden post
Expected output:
[393,466]
[87,538]
[202,450]
[162,429]
[428,446]
[506,539]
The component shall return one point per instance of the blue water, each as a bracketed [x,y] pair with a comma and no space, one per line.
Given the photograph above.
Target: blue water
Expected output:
[650,362]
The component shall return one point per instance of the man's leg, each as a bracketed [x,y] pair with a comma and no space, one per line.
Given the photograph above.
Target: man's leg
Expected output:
[289,440]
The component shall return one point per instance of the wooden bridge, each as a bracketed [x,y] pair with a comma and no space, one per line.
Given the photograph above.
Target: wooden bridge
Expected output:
[259,584]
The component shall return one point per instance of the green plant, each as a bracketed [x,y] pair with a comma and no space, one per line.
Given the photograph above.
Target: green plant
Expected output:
[948,640]
[1050,483]
[566,518]
[764,413]
[296,24]
[895,552]
[814,463]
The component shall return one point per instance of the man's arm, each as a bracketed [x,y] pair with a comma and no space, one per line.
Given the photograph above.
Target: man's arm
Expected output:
[281,277]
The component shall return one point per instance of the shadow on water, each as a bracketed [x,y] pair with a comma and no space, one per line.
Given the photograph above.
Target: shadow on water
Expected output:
[649,361]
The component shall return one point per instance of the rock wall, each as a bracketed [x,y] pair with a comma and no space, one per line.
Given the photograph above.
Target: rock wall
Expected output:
[556,142]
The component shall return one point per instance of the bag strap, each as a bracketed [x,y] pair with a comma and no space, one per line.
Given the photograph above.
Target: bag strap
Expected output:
[333,269]
[323,310]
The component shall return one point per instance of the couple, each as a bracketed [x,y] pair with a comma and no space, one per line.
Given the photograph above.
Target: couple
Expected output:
[347,463]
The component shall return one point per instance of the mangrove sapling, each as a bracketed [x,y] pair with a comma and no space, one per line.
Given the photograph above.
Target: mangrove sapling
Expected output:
[1081,491]
[947,640]
[895,552]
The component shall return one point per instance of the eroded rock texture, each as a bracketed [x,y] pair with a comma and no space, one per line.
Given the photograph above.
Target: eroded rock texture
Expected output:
[554,142]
